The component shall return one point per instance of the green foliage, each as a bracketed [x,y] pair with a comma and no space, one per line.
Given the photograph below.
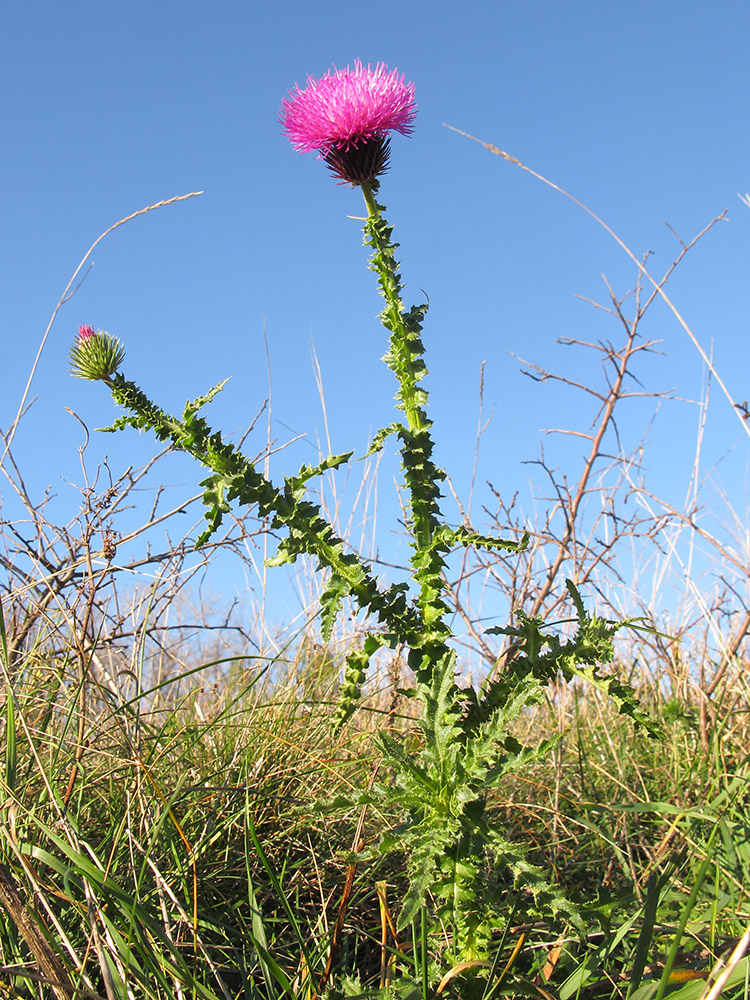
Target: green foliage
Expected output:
[382,435]
[542,655]
[234,478]
[461,868]
[355,672]
[453,854]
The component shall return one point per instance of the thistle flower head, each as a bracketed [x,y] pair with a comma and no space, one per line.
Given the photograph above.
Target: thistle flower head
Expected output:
[346,116]
[95,354]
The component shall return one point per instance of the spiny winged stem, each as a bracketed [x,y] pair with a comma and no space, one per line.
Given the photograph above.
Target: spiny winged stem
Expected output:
[234,477]
[421,475]
[453,851]
[469,746]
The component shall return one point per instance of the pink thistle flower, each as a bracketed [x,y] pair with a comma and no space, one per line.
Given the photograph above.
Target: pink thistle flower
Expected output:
[347,115]
[85,331]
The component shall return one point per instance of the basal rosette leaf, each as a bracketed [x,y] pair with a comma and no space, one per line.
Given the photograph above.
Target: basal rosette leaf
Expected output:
[547,896]
[490,751]
[441,717]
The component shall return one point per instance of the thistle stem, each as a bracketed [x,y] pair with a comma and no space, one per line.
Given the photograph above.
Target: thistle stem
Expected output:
[373,209]
[421,475]
[405,358]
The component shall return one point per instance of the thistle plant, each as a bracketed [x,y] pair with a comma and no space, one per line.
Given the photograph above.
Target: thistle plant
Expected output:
[460,866]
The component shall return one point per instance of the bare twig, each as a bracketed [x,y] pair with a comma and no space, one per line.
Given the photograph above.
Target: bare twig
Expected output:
[68,293]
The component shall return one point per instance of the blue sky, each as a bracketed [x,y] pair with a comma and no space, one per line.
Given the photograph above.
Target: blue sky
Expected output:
[637,108]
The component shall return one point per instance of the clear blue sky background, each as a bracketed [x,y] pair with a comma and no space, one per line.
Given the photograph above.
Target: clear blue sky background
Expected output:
[640,109]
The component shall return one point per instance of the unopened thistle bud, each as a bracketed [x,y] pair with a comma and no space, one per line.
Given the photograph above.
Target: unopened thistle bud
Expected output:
[94,354]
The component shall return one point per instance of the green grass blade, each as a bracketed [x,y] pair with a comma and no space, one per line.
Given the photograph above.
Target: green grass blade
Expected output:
[280,895]
[685,916]
[653,895]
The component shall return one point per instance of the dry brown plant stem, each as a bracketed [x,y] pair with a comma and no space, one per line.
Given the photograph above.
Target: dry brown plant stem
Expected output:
[657,285]
[27,922]
[80,632]
[582,550]
[70,290]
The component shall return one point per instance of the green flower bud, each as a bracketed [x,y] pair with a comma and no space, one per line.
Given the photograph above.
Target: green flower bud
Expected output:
[95,354]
